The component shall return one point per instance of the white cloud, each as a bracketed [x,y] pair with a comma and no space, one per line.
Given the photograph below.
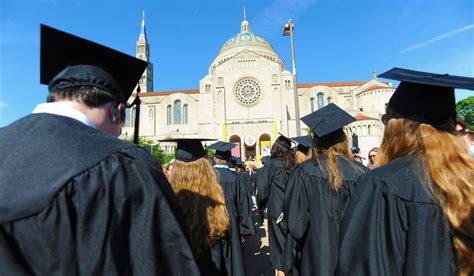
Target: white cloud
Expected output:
[436,39]
[272,18]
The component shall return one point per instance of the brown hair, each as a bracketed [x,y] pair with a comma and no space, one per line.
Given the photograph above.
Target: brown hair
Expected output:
[340,149]
[449,168]
[201,197]
[286,155]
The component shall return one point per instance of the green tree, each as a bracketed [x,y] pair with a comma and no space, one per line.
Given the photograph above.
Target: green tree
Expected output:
[465,111]
[154,148]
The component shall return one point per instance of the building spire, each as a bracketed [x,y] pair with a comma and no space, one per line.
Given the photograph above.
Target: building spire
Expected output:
[143,30]
[245,27]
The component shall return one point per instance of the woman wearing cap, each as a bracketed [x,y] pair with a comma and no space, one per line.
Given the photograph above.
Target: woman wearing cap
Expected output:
[282,160]
[319,191]
[303,149]
[207,216]
[414,215]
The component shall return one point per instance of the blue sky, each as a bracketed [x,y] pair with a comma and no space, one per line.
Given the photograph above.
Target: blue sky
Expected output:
[335,40]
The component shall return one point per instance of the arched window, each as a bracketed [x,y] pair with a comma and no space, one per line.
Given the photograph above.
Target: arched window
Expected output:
[127,117]
[311,104]
[177,112]
[168,115]
[185,114]
[329,100]
[320,100]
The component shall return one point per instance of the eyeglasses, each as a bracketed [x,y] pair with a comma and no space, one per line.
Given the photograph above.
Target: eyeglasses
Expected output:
[372,156]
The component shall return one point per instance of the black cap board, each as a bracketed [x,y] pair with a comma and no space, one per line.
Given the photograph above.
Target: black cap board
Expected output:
[189,149]
[302,140]
[284,141]
[425,97]
[222,149]
[327,120]
[69,61]
[355,149]
[237,161]
[304,143]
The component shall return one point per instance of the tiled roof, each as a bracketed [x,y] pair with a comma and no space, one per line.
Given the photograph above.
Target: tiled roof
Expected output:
[331,84]
[166,93]
[374,87]
[361,117]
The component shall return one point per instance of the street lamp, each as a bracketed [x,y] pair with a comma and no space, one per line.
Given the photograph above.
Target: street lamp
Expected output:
[136,102]
[288,31]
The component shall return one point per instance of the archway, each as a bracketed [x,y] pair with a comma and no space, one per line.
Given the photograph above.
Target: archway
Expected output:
[236,150]
[265,144]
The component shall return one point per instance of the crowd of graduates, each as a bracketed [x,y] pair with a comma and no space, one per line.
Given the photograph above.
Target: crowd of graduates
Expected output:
[75,200]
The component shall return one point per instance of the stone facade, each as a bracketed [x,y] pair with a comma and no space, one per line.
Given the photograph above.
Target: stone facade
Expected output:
[247,98]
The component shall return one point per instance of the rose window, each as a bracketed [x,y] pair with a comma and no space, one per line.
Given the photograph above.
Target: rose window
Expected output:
[247,91]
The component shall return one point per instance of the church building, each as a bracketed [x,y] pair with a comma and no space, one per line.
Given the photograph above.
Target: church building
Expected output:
[247,97]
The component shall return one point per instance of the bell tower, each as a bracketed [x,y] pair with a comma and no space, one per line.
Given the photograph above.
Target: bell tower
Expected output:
[143,53]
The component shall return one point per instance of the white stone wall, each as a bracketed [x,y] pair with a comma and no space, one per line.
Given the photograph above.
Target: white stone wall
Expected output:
[374,100]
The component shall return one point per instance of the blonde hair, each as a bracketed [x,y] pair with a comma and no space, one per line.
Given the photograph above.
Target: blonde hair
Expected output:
[300,157]
[340,149]
[202,200]
[449,167]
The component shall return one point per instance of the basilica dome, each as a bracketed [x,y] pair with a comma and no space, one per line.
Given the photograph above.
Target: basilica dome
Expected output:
[246,39]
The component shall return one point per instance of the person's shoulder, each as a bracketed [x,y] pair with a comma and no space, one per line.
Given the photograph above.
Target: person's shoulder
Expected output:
[403,177]
[308,167]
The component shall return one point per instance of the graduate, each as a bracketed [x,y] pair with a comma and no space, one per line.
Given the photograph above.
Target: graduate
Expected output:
[74,199]
[261,188]
[303,148]
[238,202]
[282,160]
[245,179]
[318,193]
[414,214]
[210,220]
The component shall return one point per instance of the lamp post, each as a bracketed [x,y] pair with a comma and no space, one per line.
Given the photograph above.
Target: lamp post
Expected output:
[288,31]
[136,102]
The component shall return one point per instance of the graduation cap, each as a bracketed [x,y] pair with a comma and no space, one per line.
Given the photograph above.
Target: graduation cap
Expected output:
[284,141]
[304,143]
[189,149]
[222,149]
[69,61]
[426,97]
[237,161]
[327,120]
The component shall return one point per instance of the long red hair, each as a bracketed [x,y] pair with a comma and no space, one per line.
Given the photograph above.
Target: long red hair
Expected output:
[451,170]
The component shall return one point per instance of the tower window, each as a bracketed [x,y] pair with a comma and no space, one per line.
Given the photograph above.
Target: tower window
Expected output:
[311,104]
[177,112]
[320,100]
[185,114]
[168,115]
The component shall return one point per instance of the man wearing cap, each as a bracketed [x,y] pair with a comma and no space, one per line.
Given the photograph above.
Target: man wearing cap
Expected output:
[234,188]
[75,199]
[414,215]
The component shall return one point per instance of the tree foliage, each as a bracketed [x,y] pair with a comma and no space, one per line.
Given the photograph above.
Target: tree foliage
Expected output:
[154,148]
[465,111]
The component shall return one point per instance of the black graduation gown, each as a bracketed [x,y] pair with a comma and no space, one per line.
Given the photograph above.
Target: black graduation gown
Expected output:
[240,217]
[277,229]
[75,201]
[261,186]
[314,211]
[394,227]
